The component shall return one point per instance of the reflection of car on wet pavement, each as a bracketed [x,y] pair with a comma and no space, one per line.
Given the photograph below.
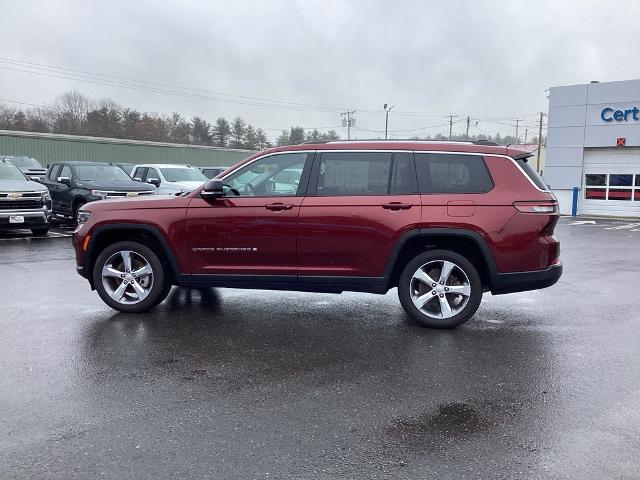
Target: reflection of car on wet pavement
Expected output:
[24,204]
[351,216]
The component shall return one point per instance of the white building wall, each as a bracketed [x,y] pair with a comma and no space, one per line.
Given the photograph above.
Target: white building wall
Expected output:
[575,123]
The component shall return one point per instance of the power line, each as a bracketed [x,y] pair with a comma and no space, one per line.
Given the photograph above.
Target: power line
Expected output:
[86,76]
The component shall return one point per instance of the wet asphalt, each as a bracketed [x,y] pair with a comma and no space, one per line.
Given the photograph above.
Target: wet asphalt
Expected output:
[235,384]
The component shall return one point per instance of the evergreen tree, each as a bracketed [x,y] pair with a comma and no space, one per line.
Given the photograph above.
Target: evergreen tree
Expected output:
[238,129]
[222,131]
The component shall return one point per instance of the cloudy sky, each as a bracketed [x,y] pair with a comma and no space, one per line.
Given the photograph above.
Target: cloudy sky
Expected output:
[282,63]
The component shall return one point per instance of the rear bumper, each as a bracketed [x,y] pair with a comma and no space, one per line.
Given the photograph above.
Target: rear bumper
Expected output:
[523,281]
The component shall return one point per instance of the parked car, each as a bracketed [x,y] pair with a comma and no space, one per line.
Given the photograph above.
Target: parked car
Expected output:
[127,167]
[24,204]
[442,222]
[170,179]
[29,166]
[73,184]
[211,172]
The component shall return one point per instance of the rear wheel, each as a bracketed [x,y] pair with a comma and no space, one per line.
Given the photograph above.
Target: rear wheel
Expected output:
[40,231]
[440,289]
[130,277]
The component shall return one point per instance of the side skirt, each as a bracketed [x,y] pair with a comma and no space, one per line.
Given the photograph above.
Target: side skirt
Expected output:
[287,282]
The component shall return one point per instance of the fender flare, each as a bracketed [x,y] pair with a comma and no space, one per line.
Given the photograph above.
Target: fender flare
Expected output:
[441,232]
[132,227]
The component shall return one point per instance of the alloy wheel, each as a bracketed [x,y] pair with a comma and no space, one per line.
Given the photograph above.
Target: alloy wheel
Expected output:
[127,277]
[440,289]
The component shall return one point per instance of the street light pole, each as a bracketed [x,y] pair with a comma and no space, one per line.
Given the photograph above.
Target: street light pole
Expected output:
[386,120]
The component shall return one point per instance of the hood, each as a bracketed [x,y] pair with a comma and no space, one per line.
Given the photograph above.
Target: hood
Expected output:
[120,186]
[21,186]
[137,203]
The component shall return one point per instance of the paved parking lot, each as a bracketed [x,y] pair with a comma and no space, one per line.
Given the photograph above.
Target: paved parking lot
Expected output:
[247,384]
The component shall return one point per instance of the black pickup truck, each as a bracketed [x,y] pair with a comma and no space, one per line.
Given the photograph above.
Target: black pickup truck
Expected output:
[72,184]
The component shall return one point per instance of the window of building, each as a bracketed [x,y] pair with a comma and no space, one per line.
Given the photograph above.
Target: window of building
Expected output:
[452,173]
[612,186]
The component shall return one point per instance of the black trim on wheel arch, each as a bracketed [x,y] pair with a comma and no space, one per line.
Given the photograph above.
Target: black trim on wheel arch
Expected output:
[439,232]
[95,235]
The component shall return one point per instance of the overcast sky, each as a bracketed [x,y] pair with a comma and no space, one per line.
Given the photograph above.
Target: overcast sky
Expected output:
[492,60]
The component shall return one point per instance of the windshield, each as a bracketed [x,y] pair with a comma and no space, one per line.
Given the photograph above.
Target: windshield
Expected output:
[182,175]
[9,172]
[92,173]
[25,162]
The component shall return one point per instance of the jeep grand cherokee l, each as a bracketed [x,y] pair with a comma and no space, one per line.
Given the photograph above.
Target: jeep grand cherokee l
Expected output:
[442,222]
[73,184]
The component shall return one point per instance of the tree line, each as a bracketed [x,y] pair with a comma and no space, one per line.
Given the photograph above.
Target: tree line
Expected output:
[75,114]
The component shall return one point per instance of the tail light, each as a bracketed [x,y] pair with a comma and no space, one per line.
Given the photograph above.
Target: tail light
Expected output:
[545,207]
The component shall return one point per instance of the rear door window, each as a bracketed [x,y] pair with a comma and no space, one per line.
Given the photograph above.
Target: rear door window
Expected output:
[452,173]
[354,173]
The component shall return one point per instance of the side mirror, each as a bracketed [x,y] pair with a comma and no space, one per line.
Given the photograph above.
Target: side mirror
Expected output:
[154,181]
[212,189]
[65,180]
[137,179]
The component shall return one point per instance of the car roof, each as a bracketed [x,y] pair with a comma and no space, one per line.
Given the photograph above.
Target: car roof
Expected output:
[162,165]
[81,163]
[481,147]
[486,148]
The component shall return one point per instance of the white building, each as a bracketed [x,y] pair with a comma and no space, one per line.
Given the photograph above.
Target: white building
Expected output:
[593,143]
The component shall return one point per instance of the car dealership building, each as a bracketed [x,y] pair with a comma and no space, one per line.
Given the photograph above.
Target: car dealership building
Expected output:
[593,148]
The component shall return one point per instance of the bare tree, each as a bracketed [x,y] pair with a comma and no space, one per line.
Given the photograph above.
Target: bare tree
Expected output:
[71,112]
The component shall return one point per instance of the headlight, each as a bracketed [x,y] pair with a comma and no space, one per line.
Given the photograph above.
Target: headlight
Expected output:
[83,217]
[99,193]
[45,195]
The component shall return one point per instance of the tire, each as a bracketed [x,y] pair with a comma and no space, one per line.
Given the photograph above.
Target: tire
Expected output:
[40,231]
[120,288]
[416,287]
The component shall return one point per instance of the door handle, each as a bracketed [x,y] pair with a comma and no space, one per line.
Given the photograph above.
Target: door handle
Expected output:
[396,206]
[277,207]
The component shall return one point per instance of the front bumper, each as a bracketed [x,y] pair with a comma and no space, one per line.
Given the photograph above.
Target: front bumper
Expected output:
[32,218]
[523,281]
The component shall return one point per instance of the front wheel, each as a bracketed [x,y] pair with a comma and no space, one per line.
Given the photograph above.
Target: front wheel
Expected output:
[440,289]
[129,277]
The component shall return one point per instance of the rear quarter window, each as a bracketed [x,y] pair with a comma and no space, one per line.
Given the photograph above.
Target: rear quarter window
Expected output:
[530,172]
[452,173]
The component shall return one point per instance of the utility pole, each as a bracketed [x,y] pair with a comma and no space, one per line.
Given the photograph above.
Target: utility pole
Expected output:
[539,142]
[348,121]
[466,135]
[386,120]
[451,125]
[526,132]
[517,125]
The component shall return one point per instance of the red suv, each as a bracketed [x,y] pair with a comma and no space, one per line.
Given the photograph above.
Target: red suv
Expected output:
[443,222]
